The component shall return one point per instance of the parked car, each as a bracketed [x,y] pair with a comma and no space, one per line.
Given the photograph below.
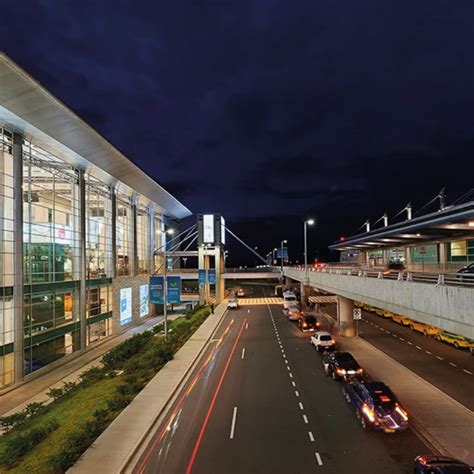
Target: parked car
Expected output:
[323,341]
[425,329]
[467,269]
[403,320]
[341,365]
[376,406]
[232,303]
[432,464]
[294,313]
[240,293]
[454,339]
[309,323]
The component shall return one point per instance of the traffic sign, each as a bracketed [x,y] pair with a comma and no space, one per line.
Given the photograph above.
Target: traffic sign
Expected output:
[357,313]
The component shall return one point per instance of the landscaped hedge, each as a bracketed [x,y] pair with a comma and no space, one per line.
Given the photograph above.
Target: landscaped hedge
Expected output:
[127,368]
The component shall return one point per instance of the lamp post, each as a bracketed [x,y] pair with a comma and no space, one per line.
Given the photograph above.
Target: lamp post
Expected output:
[273,256]
[282,242]
[307,222]
[165,286]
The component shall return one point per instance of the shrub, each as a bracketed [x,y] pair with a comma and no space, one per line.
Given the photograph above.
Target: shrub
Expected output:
[116,357]
[17,446]
[92,375]
[17,419]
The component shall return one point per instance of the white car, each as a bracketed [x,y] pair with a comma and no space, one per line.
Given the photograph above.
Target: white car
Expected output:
[232,304]
[289,299]
[241,293]
[323,341]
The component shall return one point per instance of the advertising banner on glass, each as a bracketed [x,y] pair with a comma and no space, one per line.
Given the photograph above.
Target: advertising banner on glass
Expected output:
[125,306]
[208,228]
[144,300]
[173,289]
[211,277]
[156,289]
[202,277]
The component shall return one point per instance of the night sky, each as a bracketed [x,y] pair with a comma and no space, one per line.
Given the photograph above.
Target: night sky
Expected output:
[268,111]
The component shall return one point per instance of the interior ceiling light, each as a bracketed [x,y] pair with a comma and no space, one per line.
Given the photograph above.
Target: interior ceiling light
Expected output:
[470,224]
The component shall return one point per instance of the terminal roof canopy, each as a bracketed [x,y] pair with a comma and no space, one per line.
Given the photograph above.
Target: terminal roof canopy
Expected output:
[40,117]
[450,224]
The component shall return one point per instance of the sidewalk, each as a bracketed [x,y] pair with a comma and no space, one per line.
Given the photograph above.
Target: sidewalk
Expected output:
[442,421]
[121,442]
[15,398]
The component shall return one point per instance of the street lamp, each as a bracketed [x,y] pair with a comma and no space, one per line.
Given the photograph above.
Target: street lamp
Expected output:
[165,285]
[282,242]
[273,256]
[307,222]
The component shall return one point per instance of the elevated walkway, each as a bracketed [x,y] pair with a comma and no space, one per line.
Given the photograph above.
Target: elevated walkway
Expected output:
[448,307]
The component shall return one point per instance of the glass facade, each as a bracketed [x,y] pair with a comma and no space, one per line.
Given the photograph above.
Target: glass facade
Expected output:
[98,230]
[143,240]
[61,261]
[124,236]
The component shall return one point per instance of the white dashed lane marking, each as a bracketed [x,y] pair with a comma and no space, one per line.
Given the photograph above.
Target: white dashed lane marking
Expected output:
[467,371]
[318,459]
[305,419]
[311,436]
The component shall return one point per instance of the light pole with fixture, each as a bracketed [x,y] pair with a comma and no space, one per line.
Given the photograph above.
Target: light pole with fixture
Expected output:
[307,222]
[165,286]
[273,256]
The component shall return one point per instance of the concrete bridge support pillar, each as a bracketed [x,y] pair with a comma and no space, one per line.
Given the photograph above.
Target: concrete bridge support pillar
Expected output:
[345,316]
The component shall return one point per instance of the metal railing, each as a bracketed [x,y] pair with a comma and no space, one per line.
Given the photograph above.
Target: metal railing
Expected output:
[437,278]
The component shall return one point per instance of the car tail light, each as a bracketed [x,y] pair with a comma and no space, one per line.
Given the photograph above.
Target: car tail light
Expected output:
[368,412]
[359,371]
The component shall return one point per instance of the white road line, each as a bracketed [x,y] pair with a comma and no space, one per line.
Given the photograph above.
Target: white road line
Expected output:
[439,358]
[382,329]
[243,352]
[293,383]
[232,427]
[318,459]
[467,371]
[394,335]
[305,418]
[246,325]
[429,353]
[291,375]
[411,343]
[301,406]
[418,347]
[297,393]
[452,365]
[401,339]
[288,367]
[311,437]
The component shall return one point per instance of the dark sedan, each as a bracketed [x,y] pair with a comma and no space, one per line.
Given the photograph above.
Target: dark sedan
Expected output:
[341,365]
[430,464]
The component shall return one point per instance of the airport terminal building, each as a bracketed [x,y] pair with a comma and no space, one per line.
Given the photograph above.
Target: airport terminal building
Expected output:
[79,224]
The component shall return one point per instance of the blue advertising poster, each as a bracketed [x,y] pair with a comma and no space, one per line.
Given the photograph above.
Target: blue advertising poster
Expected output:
[211,277]
[285,252]
[173,289]
[202,277]
[125,306]
[156,289]
[144,300]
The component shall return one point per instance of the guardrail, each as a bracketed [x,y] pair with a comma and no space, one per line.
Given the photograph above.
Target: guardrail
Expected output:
[437,278]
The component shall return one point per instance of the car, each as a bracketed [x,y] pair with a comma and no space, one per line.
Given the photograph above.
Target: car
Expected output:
[294,313]
[232,303]
[240,293]
[425,329]
[454,339]
[403,320]
[340,365]
[432,464]
[376,406]
[323,341]
[309,323]
[289,299]
[467,269]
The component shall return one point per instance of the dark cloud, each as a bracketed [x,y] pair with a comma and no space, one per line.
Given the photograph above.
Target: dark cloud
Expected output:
[268,111]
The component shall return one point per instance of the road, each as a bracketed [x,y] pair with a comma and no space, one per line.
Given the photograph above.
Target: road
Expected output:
[259,402]
[445,367]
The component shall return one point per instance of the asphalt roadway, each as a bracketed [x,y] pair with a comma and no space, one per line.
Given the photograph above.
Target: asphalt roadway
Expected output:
[444,366]
[259,402]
